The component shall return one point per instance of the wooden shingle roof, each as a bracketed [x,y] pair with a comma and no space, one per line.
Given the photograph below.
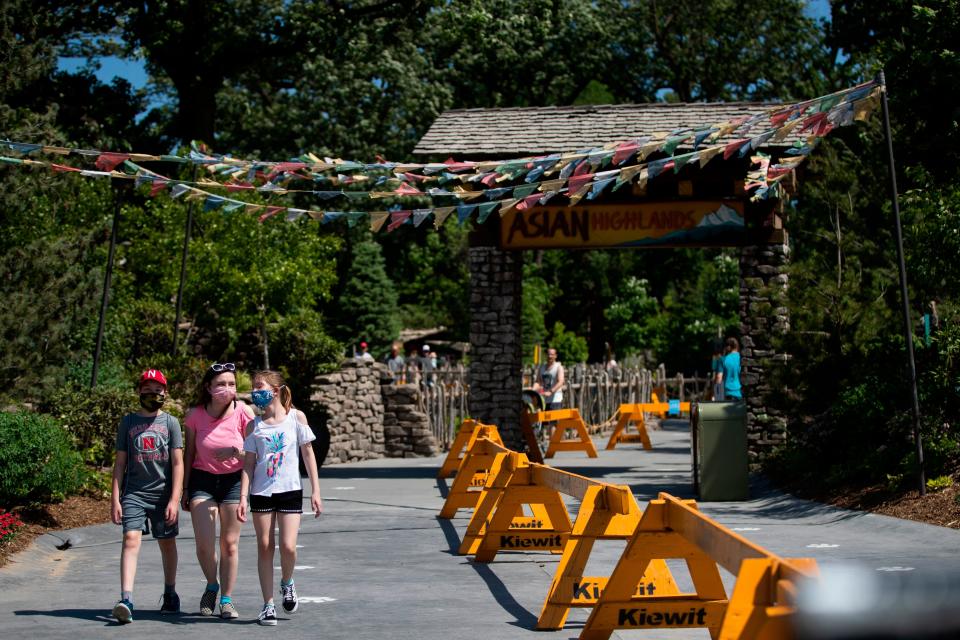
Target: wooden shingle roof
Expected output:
[517,132]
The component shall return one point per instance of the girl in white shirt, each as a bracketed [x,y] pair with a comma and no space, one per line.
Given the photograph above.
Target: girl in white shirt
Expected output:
[271,479]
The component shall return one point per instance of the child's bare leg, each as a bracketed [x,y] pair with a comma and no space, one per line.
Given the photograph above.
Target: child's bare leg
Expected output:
[128,560]
[203,513]
[168,553]
[263,524]
[229,547]
[289,527]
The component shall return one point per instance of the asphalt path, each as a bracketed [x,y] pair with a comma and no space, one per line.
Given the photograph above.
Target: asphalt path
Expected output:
[378,562]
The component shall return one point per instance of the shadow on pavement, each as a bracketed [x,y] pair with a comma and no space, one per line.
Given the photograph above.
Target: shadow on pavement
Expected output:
[501,594]
[102,616]
[443,487]
[450,533]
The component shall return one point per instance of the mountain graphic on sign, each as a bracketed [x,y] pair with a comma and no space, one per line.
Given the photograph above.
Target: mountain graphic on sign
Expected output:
[721,227]
[723,216]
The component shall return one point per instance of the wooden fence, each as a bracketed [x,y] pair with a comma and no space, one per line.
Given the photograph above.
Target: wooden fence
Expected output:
[594,391]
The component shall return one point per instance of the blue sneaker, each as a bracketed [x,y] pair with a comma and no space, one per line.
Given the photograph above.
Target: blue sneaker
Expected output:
[123,611]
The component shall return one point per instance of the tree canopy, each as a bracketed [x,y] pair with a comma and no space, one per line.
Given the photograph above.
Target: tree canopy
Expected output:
[365,78]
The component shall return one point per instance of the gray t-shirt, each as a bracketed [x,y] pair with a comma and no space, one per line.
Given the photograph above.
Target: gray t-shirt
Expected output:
[148,442]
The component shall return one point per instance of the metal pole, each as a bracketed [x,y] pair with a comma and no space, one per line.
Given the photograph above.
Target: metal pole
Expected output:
[183,271]
[904,297]
[118,200]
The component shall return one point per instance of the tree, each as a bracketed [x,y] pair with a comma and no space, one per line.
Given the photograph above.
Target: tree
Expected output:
[368,306]
[247,274]
[232,68]
[520,53]
[915,43]
[713,51]
[636,324]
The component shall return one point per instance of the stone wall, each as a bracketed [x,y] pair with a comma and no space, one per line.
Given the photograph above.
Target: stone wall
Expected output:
[763,319]
[495,376]
[406,429]
[369,417]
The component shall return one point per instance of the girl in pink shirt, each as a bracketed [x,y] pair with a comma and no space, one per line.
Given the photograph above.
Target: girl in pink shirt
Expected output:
[215,431]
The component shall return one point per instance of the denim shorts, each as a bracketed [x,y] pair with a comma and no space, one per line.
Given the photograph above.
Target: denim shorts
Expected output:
[222,488]
[285,502]
[137,517]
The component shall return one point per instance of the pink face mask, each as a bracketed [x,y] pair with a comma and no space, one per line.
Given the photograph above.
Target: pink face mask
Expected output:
[223,394]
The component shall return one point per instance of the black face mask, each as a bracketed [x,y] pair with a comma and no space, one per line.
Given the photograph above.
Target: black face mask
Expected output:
[152,401]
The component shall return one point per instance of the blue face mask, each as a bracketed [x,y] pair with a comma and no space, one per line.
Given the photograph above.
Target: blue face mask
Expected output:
[261,397]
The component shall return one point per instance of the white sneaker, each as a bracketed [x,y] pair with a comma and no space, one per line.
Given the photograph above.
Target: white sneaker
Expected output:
[290,602]
[268,616]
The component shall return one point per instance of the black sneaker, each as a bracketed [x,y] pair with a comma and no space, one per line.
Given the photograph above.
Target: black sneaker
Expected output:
[268,616]
[123,611]
[171,604]
[208,602]
[290,602]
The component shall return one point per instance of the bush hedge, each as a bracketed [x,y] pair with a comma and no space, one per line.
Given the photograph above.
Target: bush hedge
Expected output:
[39,460]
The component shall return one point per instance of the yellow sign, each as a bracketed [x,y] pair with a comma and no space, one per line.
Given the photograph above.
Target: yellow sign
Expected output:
[646,224]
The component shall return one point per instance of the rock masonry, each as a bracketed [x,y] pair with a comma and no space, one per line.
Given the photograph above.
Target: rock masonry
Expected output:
[495,376]
[764,318]
[369,417]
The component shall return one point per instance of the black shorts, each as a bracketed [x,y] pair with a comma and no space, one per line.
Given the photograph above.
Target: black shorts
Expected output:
[222,488]
[286,502]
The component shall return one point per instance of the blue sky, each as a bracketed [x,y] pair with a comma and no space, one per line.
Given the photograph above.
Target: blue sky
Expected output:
[132,70]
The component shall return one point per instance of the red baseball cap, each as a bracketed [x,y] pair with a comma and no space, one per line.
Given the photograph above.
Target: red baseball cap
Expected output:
[153,374]
[363,345]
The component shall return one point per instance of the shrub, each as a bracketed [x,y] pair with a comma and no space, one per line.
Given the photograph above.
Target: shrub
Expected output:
[91,416]
[938,483]
[39,460]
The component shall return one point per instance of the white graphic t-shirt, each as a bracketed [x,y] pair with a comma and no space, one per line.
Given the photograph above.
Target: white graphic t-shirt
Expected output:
[276,445]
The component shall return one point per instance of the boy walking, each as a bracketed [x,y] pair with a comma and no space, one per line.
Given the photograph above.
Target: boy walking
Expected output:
[147,483]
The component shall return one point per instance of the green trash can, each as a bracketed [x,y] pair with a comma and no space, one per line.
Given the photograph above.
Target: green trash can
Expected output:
[719,447]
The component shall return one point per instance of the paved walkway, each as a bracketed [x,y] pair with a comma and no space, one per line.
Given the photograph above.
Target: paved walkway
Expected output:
[378,563]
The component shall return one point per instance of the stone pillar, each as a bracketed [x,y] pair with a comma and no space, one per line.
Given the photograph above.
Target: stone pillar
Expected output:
[764,319]
[495,375]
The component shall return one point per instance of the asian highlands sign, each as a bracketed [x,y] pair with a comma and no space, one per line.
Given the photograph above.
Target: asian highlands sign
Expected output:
[648,224]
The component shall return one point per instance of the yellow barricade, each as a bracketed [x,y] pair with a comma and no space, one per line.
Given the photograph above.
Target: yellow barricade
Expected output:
[490,499]
[550,525]
[481,462]
[468,433]
[607,512]
[634,413]
[763,596]
[567,419]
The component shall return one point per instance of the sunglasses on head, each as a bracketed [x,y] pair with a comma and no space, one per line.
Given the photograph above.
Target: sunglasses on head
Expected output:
[226,366]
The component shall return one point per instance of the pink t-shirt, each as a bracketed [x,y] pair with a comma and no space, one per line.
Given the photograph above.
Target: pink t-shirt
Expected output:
[211,434]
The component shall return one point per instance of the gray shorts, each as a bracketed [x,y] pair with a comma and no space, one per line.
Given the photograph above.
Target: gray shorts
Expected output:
[136,517]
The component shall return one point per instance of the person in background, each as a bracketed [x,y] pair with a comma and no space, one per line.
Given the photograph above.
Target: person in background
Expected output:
[611,366]
[550,381]
[731,371]
[395,363]
[411,373]
[364,355]
[428,363]
[716,370]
